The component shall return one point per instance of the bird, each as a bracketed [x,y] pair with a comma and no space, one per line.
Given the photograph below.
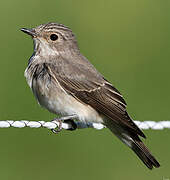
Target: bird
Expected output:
[67,84]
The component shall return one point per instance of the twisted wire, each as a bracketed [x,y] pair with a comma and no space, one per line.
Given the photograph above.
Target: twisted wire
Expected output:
[80,125]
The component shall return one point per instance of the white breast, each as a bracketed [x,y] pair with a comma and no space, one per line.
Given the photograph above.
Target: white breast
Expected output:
[57,101]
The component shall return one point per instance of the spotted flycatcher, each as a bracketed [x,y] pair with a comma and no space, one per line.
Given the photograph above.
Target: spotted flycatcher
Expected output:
[66,83]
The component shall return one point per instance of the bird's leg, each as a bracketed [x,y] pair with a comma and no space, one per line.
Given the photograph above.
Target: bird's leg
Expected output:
[67,119]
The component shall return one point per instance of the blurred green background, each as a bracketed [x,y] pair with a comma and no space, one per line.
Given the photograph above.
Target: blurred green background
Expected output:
[129,42]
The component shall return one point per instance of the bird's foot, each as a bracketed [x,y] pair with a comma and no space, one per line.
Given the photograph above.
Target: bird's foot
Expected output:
[72,123]
[67,119]
[59,128]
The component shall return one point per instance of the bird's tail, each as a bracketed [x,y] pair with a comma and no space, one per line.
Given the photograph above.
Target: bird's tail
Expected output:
[144,154]
[133,141]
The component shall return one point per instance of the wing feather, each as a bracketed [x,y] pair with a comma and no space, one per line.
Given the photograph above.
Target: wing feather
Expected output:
[96,92]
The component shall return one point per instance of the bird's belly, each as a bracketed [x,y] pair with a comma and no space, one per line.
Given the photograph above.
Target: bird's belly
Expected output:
[61,103]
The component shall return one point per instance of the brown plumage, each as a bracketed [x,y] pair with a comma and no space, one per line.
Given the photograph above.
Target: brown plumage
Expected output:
[66,83]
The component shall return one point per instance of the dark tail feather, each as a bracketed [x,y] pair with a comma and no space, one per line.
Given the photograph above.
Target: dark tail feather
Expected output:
[143,153]
[133,141]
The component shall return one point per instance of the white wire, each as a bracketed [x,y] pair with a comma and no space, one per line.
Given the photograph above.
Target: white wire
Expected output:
[80,125]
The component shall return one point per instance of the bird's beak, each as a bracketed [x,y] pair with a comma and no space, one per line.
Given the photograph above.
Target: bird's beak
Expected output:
[30,32]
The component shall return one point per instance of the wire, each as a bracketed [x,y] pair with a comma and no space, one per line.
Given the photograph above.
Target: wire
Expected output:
[80,125]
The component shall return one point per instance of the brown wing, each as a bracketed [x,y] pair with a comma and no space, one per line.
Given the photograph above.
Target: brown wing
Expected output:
[88,86]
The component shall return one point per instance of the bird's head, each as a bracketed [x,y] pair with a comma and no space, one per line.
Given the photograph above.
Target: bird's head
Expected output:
[52,39]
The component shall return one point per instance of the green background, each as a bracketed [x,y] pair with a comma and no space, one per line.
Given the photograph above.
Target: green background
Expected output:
[129,42]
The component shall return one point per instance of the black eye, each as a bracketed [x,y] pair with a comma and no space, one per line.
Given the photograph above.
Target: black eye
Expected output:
[53,37]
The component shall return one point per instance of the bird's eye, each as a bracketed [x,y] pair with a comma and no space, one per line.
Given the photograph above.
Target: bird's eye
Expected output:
[53,37]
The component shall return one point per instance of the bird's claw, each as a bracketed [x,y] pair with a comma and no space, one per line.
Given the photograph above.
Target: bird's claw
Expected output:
[56,131]
[66,119]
